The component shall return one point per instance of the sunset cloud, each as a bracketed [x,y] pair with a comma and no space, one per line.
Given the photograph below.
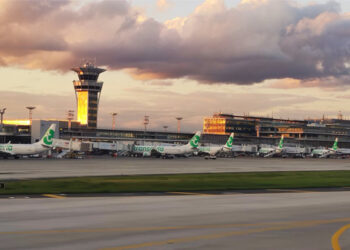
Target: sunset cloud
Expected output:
[163,4]
[246,44]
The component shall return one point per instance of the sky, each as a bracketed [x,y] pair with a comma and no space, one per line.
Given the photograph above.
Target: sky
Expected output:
[167,58]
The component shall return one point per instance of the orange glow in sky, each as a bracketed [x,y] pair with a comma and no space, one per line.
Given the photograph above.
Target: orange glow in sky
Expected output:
[17,122]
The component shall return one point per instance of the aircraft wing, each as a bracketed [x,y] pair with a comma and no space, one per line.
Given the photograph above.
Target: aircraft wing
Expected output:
[327,153]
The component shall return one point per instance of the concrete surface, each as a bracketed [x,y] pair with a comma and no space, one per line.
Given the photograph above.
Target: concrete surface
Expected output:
[40,168]
[232,221]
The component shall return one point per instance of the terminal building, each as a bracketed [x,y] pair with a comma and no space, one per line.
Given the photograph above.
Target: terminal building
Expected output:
[247,129]
[252,129]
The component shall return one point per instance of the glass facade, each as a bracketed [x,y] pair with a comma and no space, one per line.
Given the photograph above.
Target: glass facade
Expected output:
[82,100]
[214,126]
[311,132]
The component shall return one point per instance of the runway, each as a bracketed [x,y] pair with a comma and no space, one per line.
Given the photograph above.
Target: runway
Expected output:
[233,221]
[41,168]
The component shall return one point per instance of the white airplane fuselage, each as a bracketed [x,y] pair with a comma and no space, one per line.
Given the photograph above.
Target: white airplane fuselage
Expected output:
[22,149]
[322,152]
[174,150]
[163,150]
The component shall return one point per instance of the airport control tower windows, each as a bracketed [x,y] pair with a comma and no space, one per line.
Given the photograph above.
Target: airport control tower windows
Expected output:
[88,77]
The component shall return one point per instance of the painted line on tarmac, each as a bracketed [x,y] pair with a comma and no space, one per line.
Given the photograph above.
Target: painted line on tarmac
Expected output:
[54,196]
[188,193]
[291,225]
[336,236]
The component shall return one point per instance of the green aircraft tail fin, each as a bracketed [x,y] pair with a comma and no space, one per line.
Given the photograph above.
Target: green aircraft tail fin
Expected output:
[335,144]
[230,141]
[280,144]
[194,142]
[47,139]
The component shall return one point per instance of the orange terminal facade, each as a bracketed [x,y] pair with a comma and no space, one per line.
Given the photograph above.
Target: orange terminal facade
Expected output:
[87,93]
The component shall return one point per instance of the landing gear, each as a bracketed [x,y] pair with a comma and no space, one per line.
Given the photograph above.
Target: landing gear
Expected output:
[168,157]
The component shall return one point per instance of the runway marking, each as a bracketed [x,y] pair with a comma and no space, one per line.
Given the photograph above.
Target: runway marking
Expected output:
[291,225]
[188,193]
[54,196]
[336,236]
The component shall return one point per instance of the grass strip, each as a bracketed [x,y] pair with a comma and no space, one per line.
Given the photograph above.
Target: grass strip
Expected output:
[181,182]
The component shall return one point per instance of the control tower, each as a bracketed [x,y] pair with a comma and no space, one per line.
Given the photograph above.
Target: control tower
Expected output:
[87,93]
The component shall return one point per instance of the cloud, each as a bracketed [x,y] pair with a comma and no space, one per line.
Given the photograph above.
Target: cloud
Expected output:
[326,83]
[246,44]
[163,4]
[159,83]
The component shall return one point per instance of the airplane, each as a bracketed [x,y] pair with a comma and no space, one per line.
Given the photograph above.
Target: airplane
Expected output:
[334,150]
[212,151]
[170,151]
[16,150]
[167,151]
[271,151]
[340,151]
[325,152]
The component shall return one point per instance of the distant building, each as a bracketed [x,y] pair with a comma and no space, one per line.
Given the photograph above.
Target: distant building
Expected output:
[266,129]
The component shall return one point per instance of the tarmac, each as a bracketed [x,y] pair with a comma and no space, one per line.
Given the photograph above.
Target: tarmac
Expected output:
[102,166]
[300,220]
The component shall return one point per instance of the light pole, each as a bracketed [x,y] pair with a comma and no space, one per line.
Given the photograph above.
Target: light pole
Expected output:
[146,122]
[114,115]
[2,112]
[178,124]
[70,116]
[165,128]
[30,109]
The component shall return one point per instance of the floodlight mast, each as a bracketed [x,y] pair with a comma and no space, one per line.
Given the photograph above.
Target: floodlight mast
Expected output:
[114,116]
[2,112]
[30,115]
[178,123]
